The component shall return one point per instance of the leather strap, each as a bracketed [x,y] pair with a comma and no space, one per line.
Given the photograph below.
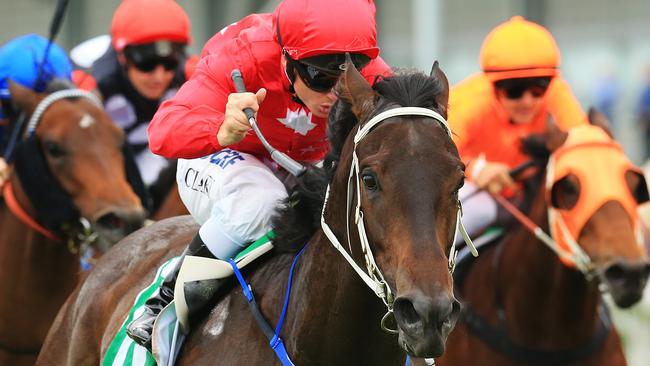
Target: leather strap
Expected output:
[19,212]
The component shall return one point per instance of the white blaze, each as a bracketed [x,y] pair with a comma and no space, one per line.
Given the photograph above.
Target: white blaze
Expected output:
[86,121]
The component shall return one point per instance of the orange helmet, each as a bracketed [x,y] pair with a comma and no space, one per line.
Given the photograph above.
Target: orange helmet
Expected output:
[145,21]
[519,49]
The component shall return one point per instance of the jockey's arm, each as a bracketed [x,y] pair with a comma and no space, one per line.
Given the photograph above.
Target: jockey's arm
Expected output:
[186,126]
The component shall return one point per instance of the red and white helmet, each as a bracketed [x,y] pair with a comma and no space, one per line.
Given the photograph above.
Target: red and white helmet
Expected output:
[145,21]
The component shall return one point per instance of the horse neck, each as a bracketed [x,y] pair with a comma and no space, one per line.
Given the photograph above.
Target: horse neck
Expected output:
[546,303]
[337,316]
[36,275]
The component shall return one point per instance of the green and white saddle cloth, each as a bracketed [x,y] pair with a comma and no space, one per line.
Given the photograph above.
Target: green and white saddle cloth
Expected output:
[168,336]
[123,351]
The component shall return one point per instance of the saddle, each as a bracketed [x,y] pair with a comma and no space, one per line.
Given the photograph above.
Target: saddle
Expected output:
[172,324]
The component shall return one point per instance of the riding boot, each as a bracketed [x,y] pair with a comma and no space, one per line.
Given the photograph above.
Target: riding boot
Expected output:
[140,329]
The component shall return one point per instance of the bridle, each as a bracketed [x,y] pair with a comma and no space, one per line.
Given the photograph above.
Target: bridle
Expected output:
[372,276]
[82,239]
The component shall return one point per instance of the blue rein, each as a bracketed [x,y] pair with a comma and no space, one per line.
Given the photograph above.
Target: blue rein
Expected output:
[275,341]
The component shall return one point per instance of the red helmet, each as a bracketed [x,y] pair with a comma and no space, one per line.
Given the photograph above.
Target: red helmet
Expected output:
[146,21]
[309,28]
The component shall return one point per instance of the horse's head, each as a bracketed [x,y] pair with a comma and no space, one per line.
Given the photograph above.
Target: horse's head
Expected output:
[402,173]
[74,161]
[593,192]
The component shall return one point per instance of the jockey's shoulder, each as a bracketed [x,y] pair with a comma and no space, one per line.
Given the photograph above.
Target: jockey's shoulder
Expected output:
[470,99]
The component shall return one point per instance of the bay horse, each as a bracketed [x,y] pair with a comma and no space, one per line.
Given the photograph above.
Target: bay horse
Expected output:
[409,173]
[69,170]
[525,305]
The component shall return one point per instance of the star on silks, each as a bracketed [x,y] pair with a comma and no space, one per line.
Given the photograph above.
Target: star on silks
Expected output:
[298,121]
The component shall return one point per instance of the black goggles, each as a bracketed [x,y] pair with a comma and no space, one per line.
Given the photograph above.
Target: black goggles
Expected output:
[321,73]
[149,64]
[515,88]
[146,57]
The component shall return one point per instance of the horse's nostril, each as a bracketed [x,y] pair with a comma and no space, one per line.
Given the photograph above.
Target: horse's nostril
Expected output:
[615,273]
[455,307]
[111,221]
[126,222]
[646,271]
[405,312]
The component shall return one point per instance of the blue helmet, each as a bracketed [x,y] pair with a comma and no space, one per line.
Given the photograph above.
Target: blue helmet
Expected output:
[20,59]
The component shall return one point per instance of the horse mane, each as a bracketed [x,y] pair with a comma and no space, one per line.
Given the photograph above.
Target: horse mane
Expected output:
[535,147]
[298,218]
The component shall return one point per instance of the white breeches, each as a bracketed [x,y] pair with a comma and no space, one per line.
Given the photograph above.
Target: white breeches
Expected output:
[232,195]
[479,210]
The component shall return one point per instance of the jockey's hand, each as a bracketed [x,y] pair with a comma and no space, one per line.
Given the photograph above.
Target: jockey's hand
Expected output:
[235,124]
[4,171]
[494,177]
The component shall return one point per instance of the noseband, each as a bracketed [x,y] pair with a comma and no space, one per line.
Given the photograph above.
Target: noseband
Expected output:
[373,276]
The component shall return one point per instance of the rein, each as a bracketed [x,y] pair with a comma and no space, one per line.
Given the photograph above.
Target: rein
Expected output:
[372,275]
[579,257]
[19,212]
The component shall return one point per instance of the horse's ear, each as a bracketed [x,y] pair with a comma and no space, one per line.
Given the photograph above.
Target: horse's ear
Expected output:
[23,97]
[443,98]
[355,89]
[596,118]
[553,135]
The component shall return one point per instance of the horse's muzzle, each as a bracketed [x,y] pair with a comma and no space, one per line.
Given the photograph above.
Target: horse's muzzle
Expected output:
[626,281]
[116,224]
[424,322]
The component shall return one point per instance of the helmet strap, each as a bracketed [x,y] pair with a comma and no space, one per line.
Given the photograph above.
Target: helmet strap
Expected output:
[290,72]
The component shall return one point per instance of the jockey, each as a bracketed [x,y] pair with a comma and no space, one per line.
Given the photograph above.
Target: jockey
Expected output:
[492,111]
[290,61]
[19,61]
[144,64]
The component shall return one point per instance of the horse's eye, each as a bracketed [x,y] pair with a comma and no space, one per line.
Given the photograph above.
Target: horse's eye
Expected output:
[370,181]
[54,149]
[638,187]
[565,192]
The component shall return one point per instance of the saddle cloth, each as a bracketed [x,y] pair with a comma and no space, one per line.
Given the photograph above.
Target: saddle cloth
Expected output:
[172,324]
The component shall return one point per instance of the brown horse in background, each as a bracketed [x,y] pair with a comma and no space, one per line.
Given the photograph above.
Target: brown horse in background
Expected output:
[83,164]
[409,176]
[167,200]
[524,306]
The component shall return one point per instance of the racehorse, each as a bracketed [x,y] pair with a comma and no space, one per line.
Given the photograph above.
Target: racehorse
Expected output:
[528,306]
[405,186]
[68,170]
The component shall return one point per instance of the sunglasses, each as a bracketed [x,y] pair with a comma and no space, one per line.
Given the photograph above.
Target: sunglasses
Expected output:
[149,64]
[515,88]
[321,73]
[316,79]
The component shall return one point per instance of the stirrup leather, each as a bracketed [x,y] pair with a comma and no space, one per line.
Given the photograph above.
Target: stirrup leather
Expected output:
[200,269]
